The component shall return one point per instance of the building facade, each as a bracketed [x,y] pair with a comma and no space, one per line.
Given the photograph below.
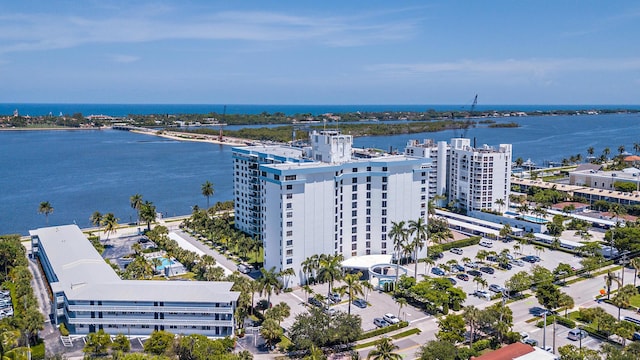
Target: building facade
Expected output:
[328,202]
[89,296]
[473,178]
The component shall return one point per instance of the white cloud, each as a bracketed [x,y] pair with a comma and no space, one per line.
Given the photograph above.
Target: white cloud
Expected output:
[509,66]
[32,32]
[124,59]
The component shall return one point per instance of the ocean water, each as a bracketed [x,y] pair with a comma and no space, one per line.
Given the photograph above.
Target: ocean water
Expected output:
[34,109]
[82,171]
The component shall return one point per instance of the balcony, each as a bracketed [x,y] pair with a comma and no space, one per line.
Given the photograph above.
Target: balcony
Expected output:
[153,309]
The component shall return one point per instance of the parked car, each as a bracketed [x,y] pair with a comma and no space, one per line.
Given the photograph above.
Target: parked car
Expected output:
[244,268]
[390,318]
[472,265]
[486,243]
[636,336]
[463,277]
[437,271]
[530,341]
[329,311]
[474,273]
[496,288]
[492,258]
[518,263]
[436,256]
[456,251]
[452,281]
[335,297]
[538,311]
[379,322]
[487,269]
[360,303]
[577,334]
[505,265]
[524,335]
[482,294]
[315,302]
[457,267]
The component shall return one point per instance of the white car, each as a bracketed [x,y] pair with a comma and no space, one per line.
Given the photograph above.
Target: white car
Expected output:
[390,318]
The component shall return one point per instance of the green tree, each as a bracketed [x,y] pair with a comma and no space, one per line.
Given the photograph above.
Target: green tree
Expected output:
[398,234]
[271,332]
[437,350]
[46,209]
[471,316]
[401,303]
[330,269]
[147,213]
[159,343]
[96,218]
[207,191]
[548,295]
[315,328]
[572,352]
[135,201]
[452,328]
[635,262]
[110,223]
[420,231]
[269,283]
[609,279]
[385,350]
[354,287]
[278,312]
[623,297]
[121,344]
[96,344]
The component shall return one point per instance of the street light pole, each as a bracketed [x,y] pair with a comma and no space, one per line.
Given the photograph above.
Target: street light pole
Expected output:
[544,331]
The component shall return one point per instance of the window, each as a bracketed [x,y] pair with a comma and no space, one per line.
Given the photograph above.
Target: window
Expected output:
[289,223]
[368,228]
[384,187]
[368,202]
[368,194]
[290,177]
[368,168]
[290,233]
[289,261]
[290,252]
[384,245]
[289,242]
[368,211]
[354,170]
[354,188]
[368,219]
[384,195]
[384,212]
[354,230]
[354,196]
[289,187]
[289,214]
[384,179]
[384,229]
[354,204]
[354,238]
[354,246]
[354,221]
[354,213]
[276,177]
[384,168]
[384,204]
[368,237]
[289,205]
[368,186]
[354,180]
[368,244]
[384,236]
[384,220]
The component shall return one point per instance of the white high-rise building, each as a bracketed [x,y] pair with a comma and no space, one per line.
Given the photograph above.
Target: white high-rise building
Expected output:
[322,200]
[474,178]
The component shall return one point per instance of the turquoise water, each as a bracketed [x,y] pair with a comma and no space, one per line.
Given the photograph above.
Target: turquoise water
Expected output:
[165,262]
[534,219]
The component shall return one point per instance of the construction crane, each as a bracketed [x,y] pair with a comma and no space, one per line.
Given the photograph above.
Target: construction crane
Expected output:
[464,126]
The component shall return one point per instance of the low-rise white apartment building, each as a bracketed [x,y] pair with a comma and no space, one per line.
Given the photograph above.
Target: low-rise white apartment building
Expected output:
[322,200]
[89,296]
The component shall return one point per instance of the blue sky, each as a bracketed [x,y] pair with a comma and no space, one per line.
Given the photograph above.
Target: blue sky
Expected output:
[320,52]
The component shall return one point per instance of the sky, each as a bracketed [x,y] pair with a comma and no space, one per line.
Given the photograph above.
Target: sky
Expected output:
[320,52]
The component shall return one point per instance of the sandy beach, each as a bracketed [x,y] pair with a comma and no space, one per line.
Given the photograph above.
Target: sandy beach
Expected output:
[213,139]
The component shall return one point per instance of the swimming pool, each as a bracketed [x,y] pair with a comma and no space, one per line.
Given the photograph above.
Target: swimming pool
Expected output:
[165,262]
[535,219]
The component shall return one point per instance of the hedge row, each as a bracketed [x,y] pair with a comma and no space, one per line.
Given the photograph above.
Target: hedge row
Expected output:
[384,330]
[560,320]
[475,240]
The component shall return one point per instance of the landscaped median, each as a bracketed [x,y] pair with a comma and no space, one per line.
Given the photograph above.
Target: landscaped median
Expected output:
[386,330]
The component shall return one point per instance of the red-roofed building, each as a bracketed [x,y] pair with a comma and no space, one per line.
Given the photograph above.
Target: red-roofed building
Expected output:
[517,351]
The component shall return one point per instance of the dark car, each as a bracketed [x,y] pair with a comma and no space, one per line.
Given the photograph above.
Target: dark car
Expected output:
[360,303]
[538,311]
[458,268]
[474,273]
[530,259]
[506,266]
[436,256]
[492,258]
[463,277]
[452,281]
[437,271]
[488,270]
[315,302]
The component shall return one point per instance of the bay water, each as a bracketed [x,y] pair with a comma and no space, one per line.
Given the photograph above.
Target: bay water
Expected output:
[82,171]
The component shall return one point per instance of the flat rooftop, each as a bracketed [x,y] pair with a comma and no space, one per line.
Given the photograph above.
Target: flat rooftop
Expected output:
[84,275]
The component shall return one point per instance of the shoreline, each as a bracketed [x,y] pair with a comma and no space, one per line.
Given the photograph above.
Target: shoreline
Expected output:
[211,139]
[51,128]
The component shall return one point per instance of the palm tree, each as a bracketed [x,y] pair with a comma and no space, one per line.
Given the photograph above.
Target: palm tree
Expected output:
[480,281]
[398,234]
[471,316]
[384,351]
[566,301]
[623,296]
[269,283]
[420,230]
[401,303]
[354,287]
[207,191]
[591,151]
[110,223]
[330,269]
[500,202]
[635,262]
[135,201]
[368,287]
[636,147]
[96,218]
[609,279]
[605,152]
[147,213]
[309,266]
[307,290]
[314,353]
[46,209]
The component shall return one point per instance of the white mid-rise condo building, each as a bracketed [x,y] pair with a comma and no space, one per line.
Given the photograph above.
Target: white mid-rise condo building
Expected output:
[473,178]
[323,200]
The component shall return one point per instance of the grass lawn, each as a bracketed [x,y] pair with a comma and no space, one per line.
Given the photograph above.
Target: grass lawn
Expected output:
[635,301]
